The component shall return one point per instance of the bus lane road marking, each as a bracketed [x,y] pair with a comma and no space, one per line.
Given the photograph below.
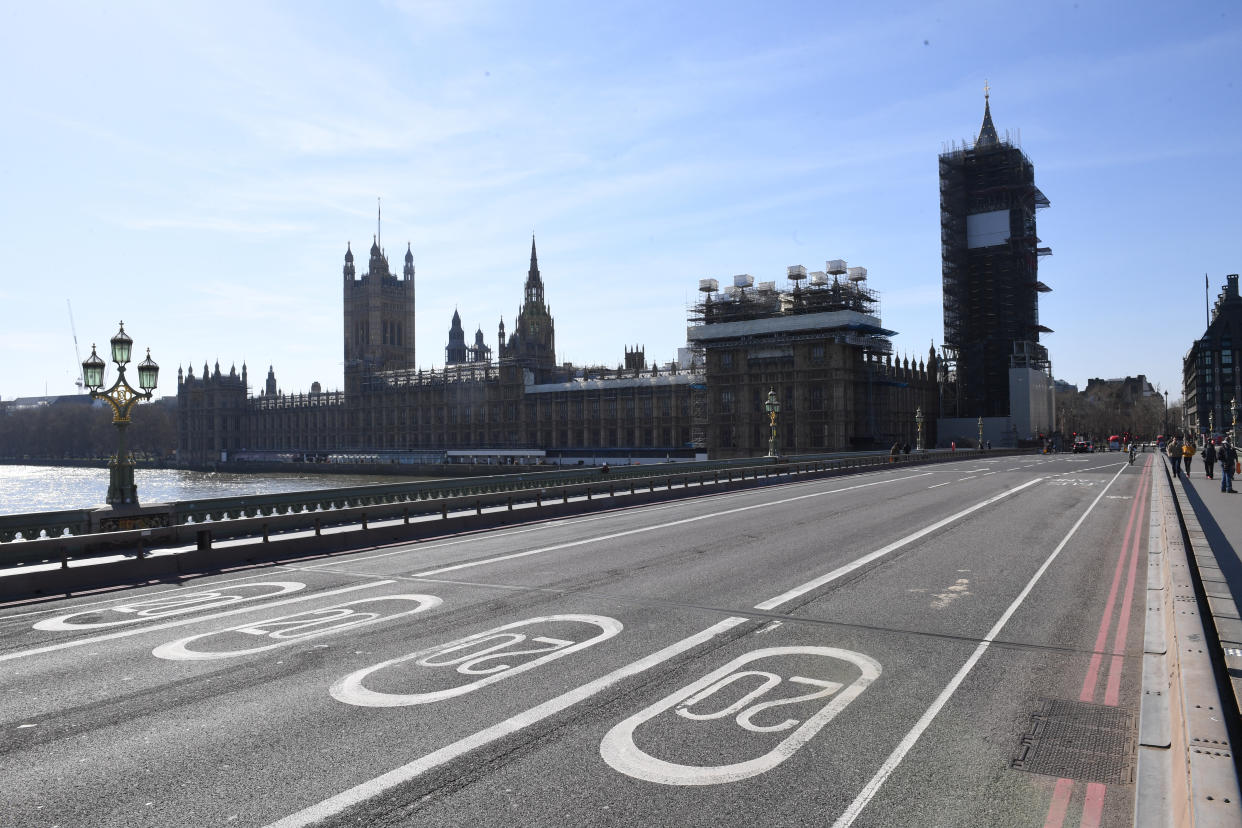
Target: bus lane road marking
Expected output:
[292,629]
[868,669]
[163,606]
[487,657]
[181,622]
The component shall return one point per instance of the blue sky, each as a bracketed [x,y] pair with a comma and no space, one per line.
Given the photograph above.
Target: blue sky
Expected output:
[196,169]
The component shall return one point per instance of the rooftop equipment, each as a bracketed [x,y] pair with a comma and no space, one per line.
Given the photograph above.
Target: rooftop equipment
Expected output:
[819,277]
[709,285]
[796,272]
[743,280]
[858,274]
[835,267]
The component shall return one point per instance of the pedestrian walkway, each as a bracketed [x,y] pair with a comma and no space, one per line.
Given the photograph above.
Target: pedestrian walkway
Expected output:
[1220,516]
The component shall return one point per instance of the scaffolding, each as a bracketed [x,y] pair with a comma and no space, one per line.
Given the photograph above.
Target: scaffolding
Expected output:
[990,262]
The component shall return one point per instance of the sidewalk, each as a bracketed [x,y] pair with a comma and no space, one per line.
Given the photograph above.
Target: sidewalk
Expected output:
[1220,517]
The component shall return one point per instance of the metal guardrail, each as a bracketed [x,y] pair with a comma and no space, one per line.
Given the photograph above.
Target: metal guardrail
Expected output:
[62,536]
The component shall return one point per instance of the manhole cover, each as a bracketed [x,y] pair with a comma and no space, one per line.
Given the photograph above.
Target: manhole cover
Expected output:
[1077,740]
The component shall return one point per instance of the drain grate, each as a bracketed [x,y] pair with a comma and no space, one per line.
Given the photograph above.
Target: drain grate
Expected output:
[1077,740]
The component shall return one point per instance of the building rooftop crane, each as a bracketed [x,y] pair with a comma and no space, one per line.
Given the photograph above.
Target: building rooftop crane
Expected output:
[79,382]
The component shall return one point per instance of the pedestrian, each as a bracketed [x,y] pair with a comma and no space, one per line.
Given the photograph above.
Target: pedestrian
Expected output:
[1227,456]
[1188,453]
[893,452]
[953,445]
[1175,454]
[1209,458]
[905,449]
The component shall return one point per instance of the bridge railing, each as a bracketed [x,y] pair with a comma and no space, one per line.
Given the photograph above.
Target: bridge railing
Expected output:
[42,537]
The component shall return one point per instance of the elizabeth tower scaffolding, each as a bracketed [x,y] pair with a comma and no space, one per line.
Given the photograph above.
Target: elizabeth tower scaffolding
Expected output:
[990,266]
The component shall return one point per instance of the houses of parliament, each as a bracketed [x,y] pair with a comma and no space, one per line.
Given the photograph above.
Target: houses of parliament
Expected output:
[816,340]
[816,344]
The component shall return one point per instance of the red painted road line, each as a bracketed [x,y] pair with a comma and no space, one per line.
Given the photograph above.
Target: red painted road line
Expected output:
[1112,693]
[1060,803]
[1093,808]
[1101,638]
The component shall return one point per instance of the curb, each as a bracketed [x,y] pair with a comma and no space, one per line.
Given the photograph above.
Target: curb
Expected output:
[1186,772]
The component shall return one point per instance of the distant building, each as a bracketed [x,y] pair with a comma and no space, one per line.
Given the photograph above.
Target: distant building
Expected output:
[1210,375]
[821,347]
[990,269]
[824,352]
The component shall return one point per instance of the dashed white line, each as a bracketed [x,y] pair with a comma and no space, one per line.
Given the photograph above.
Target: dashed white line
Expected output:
[938,485]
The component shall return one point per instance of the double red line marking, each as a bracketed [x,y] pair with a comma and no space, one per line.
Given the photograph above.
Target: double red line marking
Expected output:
[1093,805]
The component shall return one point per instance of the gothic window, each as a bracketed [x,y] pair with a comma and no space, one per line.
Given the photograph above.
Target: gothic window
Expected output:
[817,352]
[726,404]
[726,359]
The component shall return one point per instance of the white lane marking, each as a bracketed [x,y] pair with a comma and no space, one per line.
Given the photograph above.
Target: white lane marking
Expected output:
[366,790]
[991,472]
[398,776]
[816,583]
[656,527]
[619,750]
[956,590]
[544,524]
[166,605]
[64,645]
[292,629]
[894,759]
[350,689]
[1015,468]
[127,597]
[972,477]
[938,485]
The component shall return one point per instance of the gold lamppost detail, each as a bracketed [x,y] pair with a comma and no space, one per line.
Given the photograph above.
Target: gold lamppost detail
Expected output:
[918,421]
[122,397]
[773,407]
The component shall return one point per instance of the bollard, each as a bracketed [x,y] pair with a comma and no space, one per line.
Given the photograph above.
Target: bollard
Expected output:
[64,558]
[364,521]
[539,498]
[265,540]
[509,503]
[478,507]
[204,539]
[405,515]
[318,527]
[443,510]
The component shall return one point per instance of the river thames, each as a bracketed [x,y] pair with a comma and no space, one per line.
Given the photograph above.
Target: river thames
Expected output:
[49,488]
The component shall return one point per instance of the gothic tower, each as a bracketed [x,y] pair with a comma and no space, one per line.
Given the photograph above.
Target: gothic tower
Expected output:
[455,353]
[990,269]
[379,316]
[533,341]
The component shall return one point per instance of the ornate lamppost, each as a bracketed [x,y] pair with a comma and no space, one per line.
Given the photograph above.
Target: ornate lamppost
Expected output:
[980,432]
[918,421]
[1233,431]
[773,407]
[122,397]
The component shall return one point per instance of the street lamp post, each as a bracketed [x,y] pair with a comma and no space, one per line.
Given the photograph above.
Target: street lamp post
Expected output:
[918,421]
[773,407]
[1233,431]
[1166,417]
[981,433]
[122,491]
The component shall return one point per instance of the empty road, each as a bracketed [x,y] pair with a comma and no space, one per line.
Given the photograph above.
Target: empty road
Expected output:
[956,644]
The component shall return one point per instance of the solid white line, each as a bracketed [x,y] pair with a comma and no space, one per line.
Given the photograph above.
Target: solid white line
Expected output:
[658,526]
[405,773]
[543,524]
[879,553]
[64,645]
[894,759]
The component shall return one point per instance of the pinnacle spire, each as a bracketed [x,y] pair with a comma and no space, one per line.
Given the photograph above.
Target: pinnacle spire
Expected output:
[987,133]
[534,259]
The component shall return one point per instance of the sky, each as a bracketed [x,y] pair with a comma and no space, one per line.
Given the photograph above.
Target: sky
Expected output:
[196,169]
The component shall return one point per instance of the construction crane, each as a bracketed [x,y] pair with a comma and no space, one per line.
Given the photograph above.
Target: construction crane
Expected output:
[79,382]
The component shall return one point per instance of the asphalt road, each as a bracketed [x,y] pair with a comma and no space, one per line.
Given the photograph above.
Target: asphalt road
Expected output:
[950,645]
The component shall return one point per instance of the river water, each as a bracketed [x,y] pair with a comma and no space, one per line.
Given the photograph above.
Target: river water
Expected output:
[49,488]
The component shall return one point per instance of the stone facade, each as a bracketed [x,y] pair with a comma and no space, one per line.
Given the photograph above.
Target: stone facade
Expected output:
[821,349]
